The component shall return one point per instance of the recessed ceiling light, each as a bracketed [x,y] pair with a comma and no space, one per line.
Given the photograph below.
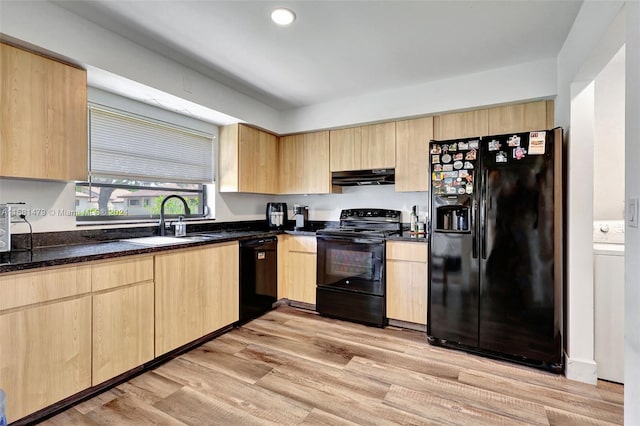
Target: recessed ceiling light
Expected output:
[283,16]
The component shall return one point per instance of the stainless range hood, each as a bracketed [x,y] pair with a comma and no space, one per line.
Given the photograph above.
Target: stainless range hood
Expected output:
[364,177]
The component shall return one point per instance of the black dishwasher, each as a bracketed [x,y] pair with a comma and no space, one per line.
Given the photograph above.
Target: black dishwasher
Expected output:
[258,277]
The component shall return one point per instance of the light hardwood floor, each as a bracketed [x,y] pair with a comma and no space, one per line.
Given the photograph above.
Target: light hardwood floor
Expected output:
[294,367]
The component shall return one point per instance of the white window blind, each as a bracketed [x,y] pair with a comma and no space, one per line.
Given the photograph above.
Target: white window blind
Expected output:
[128,146]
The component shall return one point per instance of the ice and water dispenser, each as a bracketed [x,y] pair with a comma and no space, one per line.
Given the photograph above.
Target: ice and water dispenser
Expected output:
[452,218]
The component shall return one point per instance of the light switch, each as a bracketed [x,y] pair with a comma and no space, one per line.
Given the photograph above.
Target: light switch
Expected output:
[632,212]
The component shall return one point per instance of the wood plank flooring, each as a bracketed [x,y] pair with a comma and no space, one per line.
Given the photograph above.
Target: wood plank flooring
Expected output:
[294,367]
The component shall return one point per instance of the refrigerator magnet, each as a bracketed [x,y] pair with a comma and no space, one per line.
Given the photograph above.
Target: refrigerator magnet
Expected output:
[435,159]
[450,190]
[501,157]
[436,176]
[446,158]
[453,147]
[453,174]
[435,149]
[494,145]
[458,156]
[463,146]
[437,168]
[471,155]
[461,191]
[519,153]
[457,165]
[513,141]
[474,144]
[463,174]
[468,165]
[537,143]
[447,168]
[469,189]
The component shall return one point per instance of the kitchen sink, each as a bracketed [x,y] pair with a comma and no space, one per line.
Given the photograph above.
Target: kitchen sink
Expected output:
[160,241]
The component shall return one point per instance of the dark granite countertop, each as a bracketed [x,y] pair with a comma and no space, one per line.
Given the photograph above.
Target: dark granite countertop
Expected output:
[407,236]
[64,248]
[76,253]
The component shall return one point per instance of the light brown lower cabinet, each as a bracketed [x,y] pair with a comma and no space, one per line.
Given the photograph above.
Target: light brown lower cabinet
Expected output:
[407,281]
[297,263]
[196,293]
[122,303]
[45,337]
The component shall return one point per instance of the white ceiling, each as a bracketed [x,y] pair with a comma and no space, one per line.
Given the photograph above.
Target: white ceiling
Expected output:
[336,49]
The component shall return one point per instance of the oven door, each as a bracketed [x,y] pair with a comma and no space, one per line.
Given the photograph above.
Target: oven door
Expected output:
[351,263]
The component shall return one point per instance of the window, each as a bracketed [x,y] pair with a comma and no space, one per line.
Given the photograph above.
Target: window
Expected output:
[136,162]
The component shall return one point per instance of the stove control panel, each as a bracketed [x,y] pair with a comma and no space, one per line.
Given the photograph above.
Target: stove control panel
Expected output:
[382,215]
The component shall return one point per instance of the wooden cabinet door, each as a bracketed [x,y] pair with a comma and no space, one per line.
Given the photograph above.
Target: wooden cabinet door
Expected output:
[283,262]
[524,117]
[304,163]
[179,280]
[123,330]
[345,149]
[316,178]
[43,107]
[248,160]
[221,289]
[297,268]
[302,277]
[291,157]
[258,159]
[407,281]
[378,146]
[412,154]
[461,125]
[45,354]
[301,271]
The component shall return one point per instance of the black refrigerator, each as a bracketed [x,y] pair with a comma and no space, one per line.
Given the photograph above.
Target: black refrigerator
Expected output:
[496,246]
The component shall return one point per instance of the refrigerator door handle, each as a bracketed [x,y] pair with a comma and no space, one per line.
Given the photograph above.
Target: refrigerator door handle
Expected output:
[474,229]
[483,219]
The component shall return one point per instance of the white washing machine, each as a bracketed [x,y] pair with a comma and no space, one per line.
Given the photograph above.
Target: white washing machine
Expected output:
[608,264]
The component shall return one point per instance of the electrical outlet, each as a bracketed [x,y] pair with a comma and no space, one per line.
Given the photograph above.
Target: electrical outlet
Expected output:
[632,212]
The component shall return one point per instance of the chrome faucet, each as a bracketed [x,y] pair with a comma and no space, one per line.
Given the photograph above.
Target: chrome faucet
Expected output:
[186,211]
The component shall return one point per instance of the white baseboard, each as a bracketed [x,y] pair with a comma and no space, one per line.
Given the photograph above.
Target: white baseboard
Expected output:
[581,370]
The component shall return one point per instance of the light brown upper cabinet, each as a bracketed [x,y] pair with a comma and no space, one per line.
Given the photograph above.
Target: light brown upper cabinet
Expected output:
[362,148]
[248,160]
[521,117]
[304,163]
[412,154]
[461,125]
[43,106]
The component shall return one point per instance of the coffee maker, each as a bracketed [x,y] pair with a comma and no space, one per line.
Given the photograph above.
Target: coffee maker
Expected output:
[276,215]
[301,213]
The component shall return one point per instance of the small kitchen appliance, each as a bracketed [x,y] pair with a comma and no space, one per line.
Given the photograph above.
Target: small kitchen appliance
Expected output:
[5,228]
[301,213]
[276,215]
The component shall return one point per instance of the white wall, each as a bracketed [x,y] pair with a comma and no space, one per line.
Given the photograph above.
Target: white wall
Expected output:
[581,363]
[608,153]
[597,34]
[632,235]
[535,80]
[47,26]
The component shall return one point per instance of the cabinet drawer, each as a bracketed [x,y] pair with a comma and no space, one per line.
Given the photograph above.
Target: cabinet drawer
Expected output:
[43,285]
[408,251]
[302,244]
[116,273]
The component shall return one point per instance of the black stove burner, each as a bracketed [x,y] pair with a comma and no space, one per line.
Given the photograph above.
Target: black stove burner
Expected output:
[379,223]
